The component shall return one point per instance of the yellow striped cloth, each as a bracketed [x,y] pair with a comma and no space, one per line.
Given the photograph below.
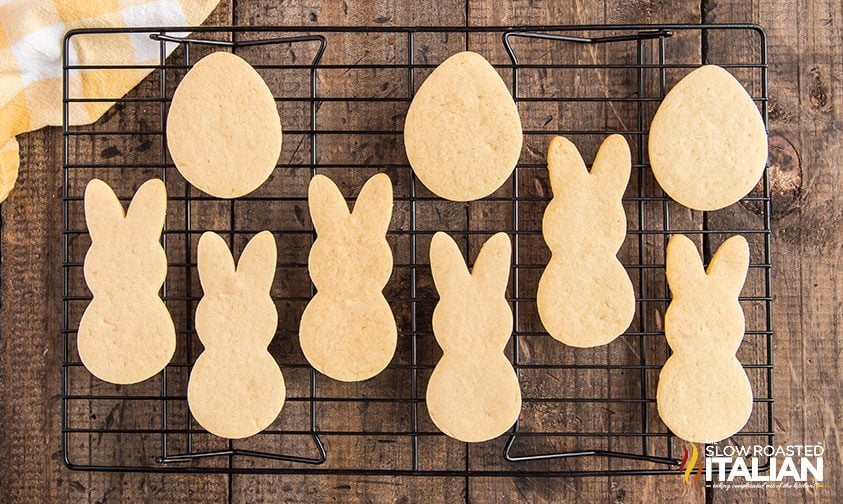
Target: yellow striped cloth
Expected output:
[31,33]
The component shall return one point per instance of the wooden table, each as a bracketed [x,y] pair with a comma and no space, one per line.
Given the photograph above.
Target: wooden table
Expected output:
[806,118]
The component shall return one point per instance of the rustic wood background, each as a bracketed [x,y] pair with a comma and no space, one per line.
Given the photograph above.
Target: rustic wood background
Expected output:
[806,119]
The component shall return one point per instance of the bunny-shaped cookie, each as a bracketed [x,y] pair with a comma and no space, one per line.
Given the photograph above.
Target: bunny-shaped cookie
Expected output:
[347,330]
[704,394]
[585,297]
[126,334]
[236,388]
[473,393]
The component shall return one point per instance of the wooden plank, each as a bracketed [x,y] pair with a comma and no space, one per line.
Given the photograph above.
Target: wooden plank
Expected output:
[31,290]
[744,47]
[682,48]
[615,116]
[308,489]
[807,246]
[350,13]
[29,362]
[383,451]
[133,448]
[805,65]
[559,415]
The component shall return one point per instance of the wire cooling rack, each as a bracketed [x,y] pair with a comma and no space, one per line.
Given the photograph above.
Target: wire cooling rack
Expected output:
[342,94]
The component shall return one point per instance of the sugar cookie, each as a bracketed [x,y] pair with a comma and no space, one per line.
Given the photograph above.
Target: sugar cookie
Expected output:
[704,394]
[126,334]
[236,388]
[347,330]
[223,128]
[463,134]
[473,394]
[708,144]
[585,297]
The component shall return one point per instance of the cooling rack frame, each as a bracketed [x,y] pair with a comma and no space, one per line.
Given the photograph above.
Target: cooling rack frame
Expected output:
[314,457]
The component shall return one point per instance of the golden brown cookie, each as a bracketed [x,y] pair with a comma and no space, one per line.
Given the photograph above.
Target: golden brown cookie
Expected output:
[585,297]
[704,394]
[473,394]
[126,334]
[236,388]
[708,144]
[463,133]
[223,128]
[347,330]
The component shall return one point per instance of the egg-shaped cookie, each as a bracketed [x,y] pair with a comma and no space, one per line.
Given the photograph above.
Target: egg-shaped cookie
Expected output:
[708,143]
[223,128]
[462,133]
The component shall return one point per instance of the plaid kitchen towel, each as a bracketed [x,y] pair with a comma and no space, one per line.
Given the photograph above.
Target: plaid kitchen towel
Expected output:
[31,33]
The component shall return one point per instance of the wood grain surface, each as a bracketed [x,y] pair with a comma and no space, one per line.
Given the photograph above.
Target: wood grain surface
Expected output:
[806,142]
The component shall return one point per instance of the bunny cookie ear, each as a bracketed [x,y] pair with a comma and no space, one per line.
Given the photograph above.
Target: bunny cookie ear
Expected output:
[729,266]
[103,211]
[564,163]
[447,264]
[215,263]
[148,209]
[612,165]
[492,264]
[374,203]
[684,268]
[257,262]
[327,205]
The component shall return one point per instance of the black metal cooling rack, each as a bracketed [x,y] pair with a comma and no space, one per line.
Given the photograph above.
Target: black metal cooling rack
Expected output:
[342,93]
